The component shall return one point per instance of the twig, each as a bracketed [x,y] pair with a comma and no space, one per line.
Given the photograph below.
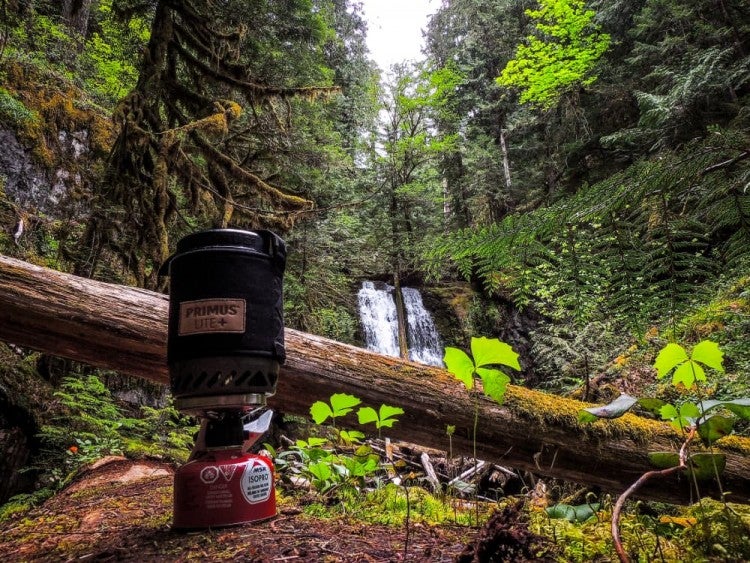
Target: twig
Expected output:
[430,472]
[727,163]
[635,486]
[468,473]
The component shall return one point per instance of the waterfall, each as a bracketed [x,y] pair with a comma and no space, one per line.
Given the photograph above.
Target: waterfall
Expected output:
[425,346]
[377,311]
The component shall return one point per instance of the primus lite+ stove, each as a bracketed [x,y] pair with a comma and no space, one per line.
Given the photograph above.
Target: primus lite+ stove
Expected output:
[224,349]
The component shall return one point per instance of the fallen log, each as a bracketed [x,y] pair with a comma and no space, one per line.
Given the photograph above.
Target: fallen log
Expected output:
[125,329]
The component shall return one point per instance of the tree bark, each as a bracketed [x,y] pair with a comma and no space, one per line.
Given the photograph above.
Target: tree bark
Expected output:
[398,297]
[125,329]
[75,14]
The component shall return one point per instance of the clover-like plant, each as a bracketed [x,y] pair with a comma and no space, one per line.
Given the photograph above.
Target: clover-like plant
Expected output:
[384,418]
[486,354]
[341,404]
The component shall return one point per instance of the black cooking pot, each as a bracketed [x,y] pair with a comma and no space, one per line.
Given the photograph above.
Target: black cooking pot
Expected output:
[226,324]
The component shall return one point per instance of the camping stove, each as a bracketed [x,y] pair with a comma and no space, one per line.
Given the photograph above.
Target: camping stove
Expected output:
[224,349]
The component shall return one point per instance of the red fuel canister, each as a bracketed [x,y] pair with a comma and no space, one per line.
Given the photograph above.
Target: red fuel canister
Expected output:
[224,488]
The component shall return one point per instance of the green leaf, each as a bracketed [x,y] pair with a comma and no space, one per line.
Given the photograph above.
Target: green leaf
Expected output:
[715,427]
[615,409]
[366,415]
[579,513]
[351,436]
[320,470]
[651,404]
[343,404]
[688,374]
[460,365]
[320,412]
[705,466]
[670,357]
[387,414]
[491,351]
[668,412]
[709,353]
[739,407]
[494,383]
[664,460]
[561,512]
[690,410]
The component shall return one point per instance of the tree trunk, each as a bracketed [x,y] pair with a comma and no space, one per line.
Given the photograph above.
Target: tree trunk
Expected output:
[125,329]
[403,344]
[76,15]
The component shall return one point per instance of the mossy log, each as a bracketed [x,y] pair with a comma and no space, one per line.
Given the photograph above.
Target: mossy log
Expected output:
[125,329]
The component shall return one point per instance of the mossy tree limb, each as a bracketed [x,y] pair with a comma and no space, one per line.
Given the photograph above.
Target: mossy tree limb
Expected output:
[182,128]
[125,329]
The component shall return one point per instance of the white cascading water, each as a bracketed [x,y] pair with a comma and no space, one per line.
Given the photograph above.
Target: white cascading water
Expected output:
[425,346]
[377,312]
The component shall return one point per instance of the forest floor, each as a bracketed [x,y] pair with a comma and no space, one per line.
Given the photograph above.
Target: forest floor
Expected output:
[121,511]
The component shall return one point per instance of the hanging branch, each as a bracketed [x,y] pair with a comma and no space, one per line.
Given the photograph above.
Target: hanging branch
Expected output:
[176,124]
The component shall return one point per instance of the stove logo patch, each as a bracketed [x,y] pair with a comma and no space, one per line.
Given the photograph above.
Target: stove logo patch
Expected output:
[211,315]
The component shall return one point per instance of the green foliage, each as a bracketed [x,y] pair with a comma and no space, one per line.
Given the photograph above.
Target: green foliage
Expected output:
[341,404]
[688,371]
[111,53]
[563,52]
[713,418]
[89,425]
[486,352]
[388,505]
[383,418]
[13,112]
[580,513]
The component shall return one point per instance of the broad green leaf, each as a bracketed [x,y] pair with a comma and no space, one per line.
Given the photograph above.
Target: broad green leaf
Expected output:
[343,404]
[363,451]
[351,436]
[664,460]
[615,409]
[561,512]
[690,410]
[709,353]
[320,412]
[320,470]
[365,415]
[651,404]
[668,412]
[688,373]
[460,365]
[670,357]
[579,513]
[705,466]
[714,427]
[312,442]
[494,383]
[491,351]
[387,414]
[739,407]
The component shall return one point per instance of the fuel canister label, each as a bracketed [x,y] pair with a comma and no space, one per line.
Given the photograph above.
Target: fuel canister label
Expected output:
[257,481]
[211,315]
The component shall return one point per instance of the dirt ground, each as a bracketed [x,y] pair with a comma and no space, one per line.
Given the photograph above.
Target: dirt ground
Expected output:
[121,511]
